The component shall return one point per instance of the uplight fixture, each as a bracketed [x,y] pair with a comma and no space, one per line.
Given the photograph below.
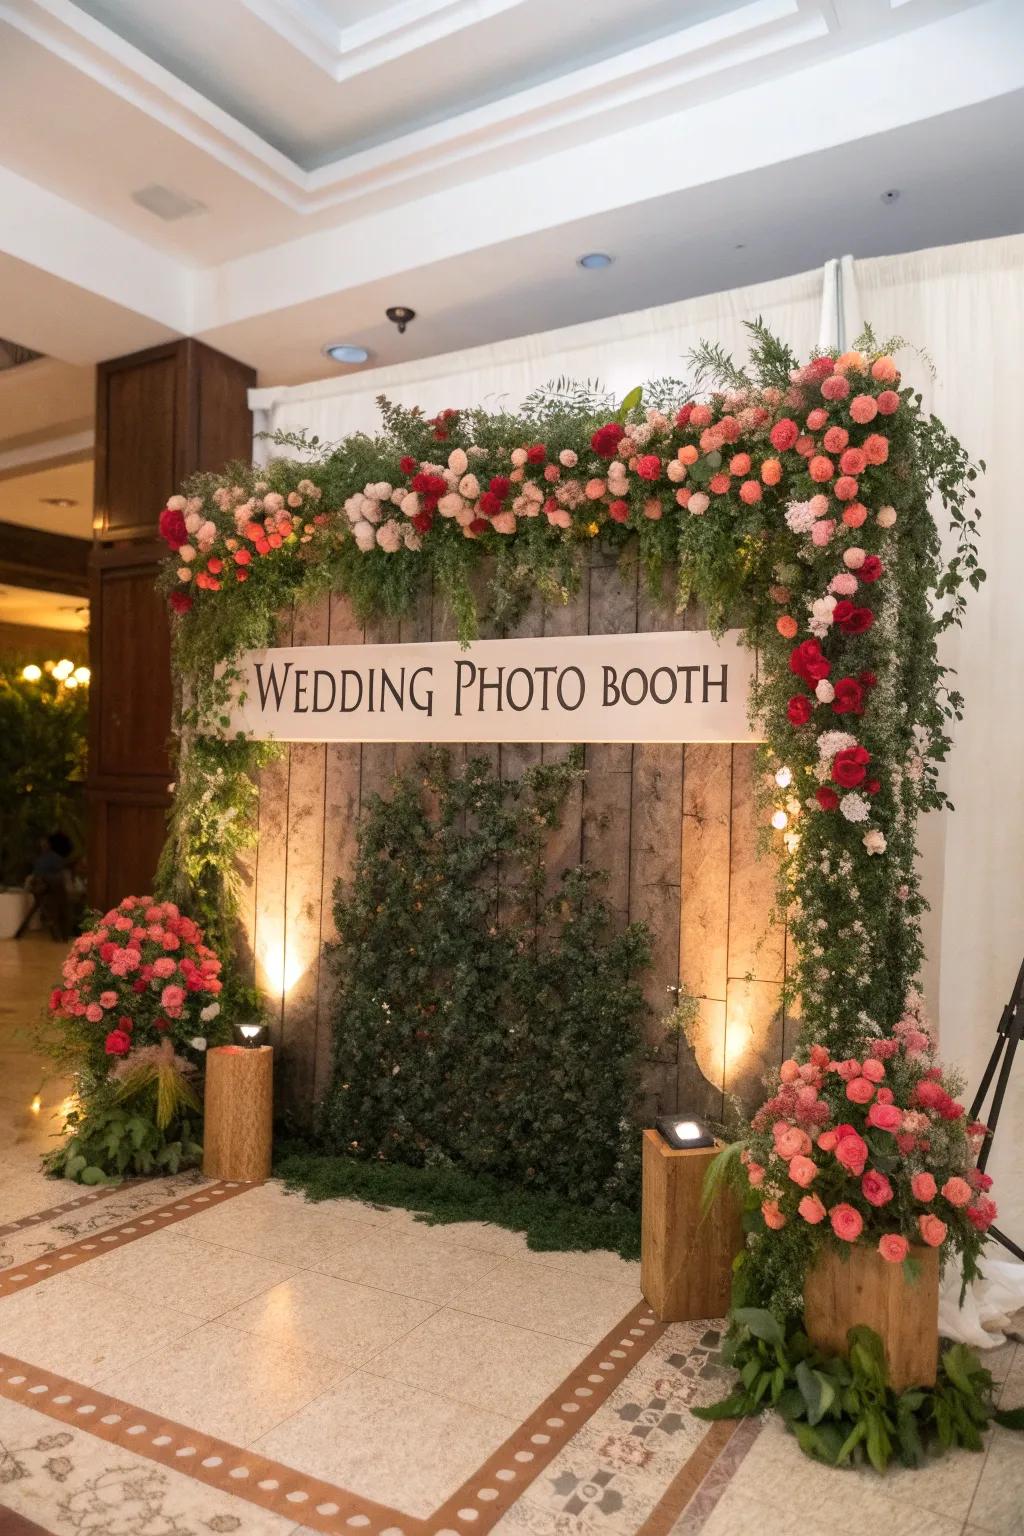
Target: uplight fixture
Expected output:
[63,670]
[250,1034]
[346,352]
[683,1132]
[593,261]
[31,673]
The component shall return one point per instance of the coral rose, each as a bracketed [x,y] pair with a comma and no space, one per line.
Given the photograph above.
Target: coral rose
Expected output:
[855,515]
[792,1142]
[821,468]
[875,1188]
[755,1173]
[873,1069]
[828,1141]
[888,402]
[876,448]
[863,408]
[750,493]
[784,434]
[932,1230]
[893,1248]
[957,1191]
[884,1117]
[786,626]
[852,1153]
[771,472]
[811,1209]
[860,1090]
[884,370]
[847,1223]
[773,1217]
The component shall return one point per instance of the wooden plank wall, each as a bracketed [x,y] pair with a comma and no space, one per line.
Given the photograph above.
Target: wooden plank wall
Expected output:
[673,827]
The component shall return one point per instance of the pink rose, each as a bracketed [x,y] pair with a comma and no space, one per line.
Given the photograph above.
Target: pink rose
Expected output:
[773,1217]
[852,1153]
[875,1188]
[822,532]
[792,1142]
[847,1224]
[893,1248]
[932,1230]
[860,1090]
[164,967]
[811,1209]
[873,1069]
[828,1141]
[885,1117]
[802,1170]
[117,1043]
[172,1000]
[108,999]
[957,1191]
[923,1186]
[94,1013]
[755,1173]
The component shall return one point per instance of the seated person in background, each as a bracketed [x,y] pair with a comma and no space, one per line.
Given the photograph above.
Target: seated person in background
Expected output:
[52,883]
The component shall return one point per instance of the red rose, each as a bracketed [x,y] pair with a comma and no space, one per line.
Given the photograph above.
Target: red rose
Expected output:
[180,601]
[536,454]
[856,622]
[842,611]
[826,797]
[161,1023]
[849,767]
[55,997]
[868,679]
[873,786]
[784,434]
[683,414]
[479,525]
[648,466]
[117,1043]
[849,697]
[125,1023]
[172,527]
[871,569]
[407,465]
[429,485]
[423,522]
[214,566]
[489,504]
[499,486]
[798,710]
[606,439]
[139,984]
[806,661]
[618,510]
[106,952]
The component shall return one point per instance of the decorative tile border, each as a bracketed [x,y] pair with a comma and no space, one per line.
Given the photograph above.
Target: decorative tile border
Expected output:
[475,1508]
[20,1276]
[54,1211]
[717,1477]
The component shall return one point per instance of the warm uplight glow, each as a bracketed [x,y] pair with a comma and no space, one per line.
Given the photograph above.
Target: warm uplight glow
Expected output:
[63,670]
[31,673]
[738,1036]
[36,1105]
[780,821]
[283,967]
[784,778]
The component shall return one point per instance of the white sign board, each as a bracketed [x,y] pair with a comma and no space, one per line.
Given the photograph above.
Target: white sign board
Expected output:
[677,686]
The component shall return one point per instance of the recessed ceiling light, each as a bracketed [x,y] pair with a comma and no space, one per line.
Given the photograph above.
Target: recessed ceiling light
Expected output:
[594,259]
[344,352]
[58,501]
[891,196]
[166,203]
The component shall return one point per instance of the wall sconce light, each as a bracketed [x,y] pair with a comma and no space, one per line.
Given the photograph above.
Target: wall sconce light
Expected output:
[682,1133]
[250,1033]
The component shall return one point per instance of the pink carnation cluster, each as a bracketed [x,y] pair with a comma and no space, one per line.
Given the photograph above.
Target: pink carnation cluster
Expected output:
[875,1147]
[140,975]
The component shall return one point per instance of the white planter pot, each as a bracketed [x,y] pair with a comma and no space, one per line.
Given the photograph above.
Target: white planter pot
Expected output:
[14,907]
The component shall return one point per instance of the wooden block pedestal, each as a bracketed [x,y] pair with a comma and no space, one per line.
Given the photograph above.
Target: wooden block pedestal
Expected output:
[862,1288]
[238,1113]
[685,1262]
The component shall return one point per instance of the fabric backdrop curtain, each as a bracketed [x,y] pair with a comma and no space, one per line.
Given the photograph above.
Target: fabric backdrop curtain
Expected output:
[965,305]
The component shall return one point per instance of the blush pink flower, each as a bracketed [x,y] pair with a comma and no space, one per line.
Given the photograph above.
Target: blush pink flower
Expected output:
[835,387]
[847,1223]
[164,967]
[863,408]
[811,1209]
[94,1013]
[822,532]
[802,1170]
[893,1248]
[108,999]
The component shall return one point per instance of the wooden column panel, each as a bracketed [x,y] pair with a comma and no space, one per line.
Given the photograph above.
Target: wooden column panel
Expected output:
[161,415]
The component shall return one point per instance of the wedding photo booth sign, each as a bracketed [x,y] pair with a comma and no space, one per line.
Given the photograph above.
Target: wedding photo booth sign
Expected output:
[671,687]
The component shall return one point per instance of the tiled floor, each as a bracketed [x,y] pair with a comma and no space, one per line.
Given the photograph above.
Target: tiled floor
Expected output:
[350,1346]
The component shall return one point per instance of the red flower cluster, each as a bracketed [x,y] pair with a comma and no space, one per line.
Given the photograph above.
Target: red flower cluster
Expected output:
[606,439]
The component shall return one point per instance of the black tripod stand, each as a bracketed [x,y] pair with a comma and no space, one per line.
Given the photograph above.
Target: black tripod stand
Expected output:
[1008,1037]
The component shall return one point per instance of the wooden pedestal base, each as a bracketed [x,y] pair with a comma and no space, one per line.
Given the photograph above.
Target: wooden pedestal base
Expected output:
[238,1113]
[686,1262]
[844,1290]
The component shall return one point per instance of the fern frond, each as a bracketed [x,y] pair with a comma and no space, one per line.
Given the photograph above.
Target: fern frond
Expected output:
[771,359]
[711,364]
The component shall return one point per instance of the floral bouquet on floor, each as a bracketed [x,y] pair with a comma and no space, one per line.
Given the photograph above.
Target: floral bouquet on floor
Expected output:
[872,1150]
[138,1005]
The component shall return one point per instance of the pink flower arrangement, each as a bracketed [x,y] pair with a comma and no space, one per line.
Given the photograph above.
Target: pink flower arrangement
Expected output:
[870,1149]
[141,973]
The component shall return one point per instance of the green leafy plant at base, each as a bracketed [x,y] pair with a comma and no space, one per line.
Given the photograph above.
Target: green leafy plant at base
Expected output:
[445,1195]
[483,1021]
[120,1137]
[843,1411]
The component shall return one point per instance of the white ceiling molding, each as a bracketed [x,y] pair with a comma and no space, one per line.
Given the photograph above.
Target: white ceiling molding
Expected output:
[650,73]
[76,445]
[343,52]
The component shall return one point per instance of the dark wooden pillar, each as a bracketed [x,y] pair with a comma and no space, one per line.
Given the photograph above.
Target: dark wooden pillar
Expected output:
[161,415]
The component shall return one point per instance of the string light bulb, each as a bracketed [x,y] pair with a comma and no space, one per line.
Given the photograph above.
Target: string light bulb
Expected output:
[81,674]
[63,670]
[784,777]
[780,821]
[31,673]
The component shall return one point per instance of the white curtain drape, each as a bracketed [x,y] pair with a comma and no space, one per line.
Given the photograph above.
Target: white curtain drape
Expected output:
[965,305]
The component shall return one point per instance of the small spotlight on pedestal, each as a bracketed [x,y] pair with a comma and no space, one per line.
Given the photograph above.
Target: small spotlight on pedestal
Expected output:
[681,1134]
[250,1034]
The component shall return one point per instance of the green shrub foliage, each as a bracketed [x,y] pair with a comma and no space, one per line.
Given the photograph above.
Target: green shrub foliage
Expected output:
[482,1021]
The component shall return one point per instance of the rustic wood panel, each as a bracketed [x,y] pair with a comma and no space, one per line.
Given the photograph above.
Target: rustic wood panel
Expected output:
[272,880]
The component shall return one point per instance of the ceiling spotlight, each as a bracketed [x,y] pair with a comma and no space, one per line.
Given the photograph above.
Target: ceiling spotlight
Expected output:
[892,196]
[58,501]
[594,259]
[399,315]
[345,352]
